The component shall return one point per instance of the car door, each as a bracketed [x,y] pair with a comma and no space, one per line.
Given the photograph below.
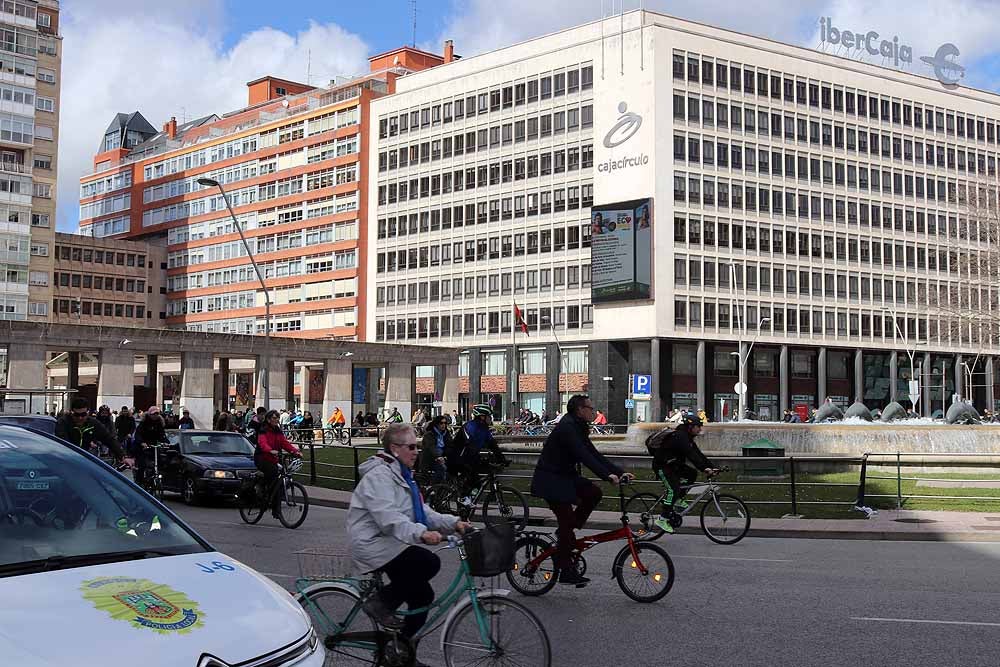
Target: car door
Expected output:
[172,463]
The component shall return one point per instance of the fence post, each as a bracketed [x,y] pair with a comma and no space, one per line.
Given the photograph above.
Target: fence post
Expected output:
[357,477]
[899,484]
[791,472]
[312,463]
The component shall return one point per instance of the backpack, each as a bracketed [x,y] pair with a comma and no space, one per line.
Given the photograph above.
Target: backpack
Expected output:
[659,446]
[456,448]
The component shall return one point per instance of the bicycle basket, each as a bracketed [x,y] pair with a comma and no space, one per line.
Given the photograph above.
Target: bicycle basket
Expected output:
[324,563]
[490,551]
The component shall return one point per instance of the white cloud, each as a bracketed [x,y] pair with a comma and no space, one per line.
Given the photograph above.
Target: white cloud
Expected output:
[169,61]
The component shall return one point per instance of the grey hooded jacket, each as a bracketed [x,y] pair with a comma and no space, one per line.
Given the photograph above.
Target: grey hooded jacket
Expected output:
[380,521]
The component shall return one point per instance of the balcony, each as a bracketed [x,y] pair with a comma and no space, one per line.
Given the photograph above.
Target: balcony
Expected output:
[9,167]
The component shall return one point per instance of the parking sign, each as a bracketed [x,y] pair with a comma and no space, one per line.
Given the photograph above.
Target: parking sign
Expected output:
[642,385]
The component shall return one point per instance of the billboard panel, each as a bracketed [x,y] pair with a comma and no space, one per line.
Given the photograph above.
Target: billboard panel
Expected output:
[621,251]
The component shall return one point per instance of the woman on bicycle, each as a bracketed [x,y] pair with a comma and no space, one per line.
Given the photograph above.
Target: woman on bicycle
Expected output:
[386,522]
[270,441]
[674,454]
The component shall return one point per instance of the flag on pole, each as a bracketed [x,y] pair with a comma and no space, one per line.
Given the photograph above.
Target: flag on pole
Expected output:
[519,320]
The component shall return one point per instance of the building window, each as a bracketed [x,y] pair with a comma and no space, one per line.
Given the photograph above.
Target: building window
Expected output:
[574,360]
[532,362]
[494,363]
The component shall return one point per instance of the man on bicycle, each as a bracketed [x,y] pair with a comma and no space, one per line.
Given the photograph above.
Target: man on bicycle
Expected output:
[676,461]
[79,428]
[474,438]
[560,484]
[149,433]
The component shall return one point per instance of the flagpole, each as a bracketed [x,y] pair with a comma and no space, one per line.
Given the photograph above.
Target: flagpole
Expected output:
[514,360]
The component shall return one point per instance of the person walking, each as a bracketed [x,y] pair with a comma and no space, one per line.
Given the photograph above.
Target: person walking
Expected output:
[558,481]
[185,422]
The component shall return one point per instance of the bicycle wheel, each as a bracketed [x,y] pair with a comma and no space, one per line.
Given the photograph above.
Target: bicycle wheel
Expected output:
[505,504]
[329,606]
[251,508]
[532,582]
[646,507]
[515,636]
[651,585]
[443,498]
[725,519]
[294,506]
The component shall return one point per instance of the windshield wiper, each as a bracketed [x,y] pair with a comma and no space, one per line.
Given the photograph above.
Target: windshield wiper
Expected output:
[62,562]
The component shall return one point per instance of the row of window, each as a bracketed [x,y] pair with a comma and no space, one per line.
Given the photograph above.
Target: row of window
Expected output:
[506,96]
[101,309]
[105,228]
[515,132]
[77,254]
[90,281]
[109,183]
[297,238]
[487,248]
[105,206]
[572,360]
[478,323]
[297,266]
[518,206]
[862,104]
[557,279]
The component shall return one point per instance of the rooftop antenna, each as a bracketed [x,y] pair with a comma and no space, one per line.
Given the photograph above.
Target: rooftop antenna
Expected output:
[413,5]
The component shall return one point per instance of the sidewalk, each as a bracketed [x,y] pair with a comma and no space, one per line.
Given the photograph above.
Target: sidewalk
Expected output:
[904,525]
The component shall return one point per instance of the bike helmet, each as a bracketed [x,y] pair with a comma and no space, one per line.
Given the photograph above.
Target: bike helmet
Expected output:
[482,410]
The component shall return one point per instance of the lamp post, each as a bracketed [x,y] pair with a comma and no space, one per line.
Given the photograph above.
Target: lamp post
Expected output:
[265,381]
[909,352]
[743,368]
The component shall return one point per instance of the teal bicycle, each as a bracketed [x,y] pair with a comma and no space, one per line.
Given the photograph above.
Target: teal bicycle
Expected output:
[478,627]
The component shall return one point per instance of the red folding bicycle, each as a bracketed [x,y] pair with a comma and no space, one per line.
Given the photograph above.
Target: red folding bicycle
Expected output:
[643,570]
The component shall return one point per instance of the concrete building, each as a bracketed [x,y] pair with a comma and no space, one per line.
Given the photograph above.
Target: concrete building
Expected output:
[294,163]
[108,281]
[817,207]
[29,127]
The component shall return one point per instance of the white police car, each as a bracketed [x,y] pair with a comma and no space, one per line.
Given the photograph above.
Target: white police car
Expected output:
[94,572]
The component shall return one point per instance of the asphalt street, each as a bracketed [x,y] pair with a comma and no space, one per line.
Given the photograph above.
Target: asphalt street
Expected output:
[760,602]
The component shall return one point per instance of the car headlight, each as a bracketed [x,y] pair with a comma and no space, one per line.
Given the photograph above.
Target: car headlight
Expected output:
[220,474]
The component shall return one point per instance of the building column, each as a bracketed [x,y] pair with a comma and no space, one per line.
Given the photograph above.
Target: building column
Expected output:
[893,376]
[702,386]
[222,385]
[337,388]
[990,399]
[926,381]
[784,400]
[655,399]
[399,389]
[277,382]
[26,370]
[197,386]
[959,378]
[72,370]
[859,375]
[446,387]
[116,377]
[609,359]
[475,377]
[821,377]
[553,365]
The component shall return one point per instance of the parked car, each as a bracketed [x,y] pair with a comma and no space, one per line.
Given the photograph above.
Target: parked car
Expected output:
[90,558]
[200,464]
[42,423]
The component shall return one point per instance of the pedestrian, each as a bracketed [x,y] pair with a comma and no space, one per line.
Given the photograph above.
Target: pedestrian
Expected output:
[185,422]
[306,426]
[225,422]
[558,481]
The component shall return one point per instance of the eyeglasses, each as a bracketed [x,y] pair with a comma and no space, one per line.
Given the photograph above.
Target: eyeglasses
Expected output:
[79,415]
[412,446]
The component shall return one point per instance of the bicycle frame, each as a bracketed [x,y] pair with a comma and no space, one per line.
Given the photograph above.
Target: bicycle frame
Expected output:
[711,489]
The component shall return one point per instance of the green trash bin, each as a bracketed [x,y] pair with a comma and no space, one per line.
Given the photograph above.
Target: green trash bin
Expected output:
[761,448]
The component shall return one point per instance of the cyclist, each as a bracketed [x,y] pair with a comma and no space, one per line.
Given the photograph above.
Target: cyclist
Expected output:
[86,432]
[269,442]
[124,425]
[558,481]
[473,439]
[436,441]
[386,523]
[674,454]
[149,433]
[336,421]
[600,419]
[394,417]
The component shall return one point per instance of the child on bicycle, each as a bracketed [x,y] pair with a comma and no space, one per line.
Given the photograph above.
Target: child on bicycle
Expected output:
[676,461]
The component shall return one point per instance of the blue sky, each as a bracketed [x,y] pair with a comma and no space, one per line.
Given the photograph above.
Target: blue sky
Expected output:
[187,58]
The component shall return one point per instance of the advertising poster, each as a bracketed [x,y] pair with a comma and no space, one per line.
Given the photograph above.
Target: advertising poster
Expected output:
[359,386]
[621,251]
[315,386]
[243,383]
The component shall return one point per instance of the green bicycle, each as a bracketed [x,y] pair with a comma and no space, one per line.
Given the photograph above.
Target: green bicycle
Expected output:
[479,627]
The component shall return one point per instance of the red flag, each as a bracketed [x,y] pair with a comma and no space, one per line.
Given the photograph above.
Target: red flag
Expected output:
[519,320]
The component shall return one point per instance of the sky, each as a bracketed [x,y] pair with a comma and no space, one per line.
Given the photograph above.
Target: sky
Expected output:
[189,58]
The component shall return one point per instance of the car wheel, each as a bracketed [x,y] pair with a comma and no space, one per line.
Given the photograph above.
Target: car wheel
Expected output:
[189,491]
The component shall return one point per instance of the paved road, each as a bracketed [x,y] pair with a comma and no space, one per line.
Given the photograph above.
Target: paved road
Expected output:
[762,602]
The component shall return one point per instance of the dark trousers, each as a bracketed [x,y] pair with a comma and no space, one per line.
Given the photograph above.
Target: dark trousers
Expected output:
[410,575]
[270,471]
[674,476]
[569,519]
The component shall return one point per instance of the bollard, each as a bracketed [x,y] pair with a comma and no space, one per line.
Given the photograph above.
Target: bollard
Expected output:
[899,484]
[312,464]
[357,476]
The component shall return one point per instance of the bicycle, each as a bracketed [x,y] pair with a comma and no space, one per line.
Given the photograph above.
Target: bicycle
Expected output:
[725,518]
[337,435]
[152,480]
[602,429]
[288,498]
[479,627]
[500,503]
[643,570]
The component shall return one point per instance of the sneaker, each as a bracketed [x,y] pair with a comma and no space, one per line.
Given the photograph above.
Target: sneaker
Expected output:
[663,523]
[868,511]
[465,500]
[571,576]
[381,613]
[681,504]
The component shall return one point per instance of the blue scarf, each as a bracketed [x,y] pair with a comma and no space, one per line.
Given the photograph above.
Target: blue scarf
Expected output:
[440,441]
[419,515]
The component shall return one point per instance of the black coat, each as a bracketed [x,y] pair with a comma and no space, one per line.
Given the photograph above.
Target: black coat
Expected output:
[556,478]
[428,449]
[124,426]
[90,432]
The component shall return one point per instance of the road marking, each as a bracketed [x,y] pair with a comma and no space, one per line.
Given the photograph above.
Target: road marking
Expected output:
[924,620]
[275,574]
[752,560]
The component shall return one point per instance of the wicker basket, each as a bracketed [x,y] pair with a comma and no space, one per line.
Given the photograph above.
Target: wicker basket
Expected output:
[322,563]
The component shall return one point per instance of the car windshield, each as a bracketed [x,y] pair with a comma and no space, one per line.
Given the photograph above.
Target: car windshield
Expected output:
[215,444]
[60,508]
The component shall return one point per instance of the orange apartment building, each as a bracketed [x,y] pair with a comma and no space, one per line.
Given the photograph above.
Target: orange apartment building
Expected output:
[294,164]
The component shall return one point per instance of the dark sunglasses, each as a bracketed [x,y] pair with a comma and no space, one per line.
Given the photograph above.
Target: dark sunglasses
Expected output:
[411,447]
[79,415]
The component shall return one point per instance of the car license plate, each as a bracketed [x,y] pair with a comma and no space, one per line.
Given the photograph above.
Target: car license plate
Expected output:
[32,486]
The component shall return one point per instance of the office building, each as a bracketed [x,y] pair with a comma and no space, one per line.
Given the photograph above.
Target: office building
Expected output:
[817,208]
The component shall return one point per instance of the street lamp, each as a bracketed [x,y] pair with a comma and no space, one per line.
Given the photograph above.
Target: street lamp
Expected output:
[909,352]
[743,367]
[545,319]
[210,183]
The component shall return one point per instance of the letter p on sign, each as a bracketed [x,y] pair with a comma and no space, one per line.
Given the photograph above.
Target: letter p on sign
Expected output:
[642,385]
